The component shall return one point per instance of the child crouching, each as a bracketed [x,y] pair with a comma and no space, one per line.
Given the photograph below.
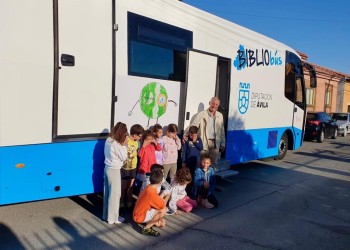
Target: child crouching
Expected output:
[164,190]
[150,207]
[179,198]
[204,183]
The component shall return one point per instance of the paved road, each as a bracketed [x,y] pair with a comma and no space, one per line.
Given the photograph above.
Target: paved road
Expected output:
[301,202]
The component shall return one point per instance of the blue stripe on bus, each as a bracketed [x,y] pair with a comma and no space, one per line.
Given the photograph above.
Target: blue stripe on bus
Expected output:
[43,171]
[53,170]
[247,145]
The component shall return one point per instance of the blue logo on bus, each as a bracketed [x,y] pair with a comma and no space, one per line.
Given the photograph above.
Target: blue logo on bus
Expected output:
[247,57]
[243,98]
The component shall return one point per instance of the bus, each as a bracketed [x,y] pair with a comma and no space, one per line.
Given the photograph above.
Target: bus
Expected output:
[70,70]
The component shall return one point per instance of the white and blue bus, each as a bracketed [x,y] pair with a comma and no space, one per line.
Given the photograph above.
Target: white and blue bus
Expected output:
[71,69]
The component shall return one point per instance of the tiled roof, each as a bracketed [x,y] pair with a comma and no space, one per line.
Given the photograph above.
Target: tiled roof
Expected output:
[325,71]
[330,72]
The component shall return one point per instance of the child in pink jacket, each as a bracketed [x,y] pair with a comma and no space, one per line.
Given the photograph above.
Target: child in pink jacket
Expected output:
[172,144]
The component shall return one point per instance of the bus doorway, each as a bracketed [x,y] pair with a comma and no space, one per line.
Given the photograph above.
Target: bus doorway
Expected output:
[223,88]
[208,75]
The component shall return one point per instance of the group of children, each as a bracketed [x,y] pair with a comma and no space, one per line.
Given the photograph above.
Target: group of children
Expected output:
[141,162]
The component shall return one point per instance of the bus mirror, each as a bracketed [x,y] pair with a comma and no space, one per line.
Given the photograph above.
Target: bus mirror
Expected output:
[313,82]
[312,73]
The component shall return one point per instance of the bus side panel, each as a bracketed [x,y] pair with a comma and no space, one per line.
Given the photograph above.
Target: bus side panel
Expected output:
[26,72]
[259,111]
[37,172]
[247,145]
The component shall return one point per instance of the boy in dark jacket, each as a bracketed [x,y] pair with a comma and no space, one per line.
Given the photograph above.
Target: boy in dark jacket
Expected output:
[191,150]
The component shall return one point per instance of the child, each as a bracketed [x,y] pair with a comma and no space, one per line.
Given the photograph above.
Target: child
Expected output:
[179,198]
[191,150]
[128,171]
[150,207]
[204,183]
[171,146]
[115,154]
[147,154]
[158,133]
[164,190]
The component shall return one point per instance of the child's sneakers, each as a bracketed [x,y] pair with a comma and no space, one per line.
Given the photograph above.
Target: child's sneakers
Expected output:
[169,211]
[150,231]
[120,220]
[205,203]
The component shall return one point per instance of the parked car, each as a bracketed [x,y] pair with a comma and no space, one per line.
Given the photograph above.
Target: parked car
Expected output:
[343,122]
[320,125]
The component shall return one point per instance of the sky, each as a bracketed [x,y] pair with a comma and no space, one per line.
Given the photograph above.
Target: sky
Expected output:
[318,28]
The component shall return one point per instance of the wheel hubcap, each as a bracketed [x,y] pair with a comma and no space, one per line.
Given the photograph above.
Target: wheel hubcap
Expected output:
[282,146]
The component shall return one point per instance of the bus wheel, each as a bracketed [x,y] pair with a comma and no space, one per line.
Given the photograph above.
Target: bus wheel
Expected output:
[282,147]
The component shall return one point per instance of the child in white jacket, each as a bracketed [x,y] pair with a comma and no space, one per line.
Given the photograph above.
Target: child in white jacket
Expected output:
[179,198]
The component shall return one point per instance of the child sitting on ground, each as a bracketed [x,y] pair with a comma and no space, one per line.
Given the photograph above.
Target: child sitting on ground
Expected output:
[204,183]
[179,198]
[150,207]
[164,190]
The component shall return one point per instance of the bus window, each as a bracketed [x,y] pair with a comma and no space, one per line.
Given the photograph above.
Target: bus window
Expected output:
[156,49]
[289,82]
[299,100]
[293,88]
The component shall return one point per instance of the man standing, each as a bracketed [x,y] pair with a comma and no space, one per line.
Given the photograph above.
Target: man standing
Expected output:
[211,129]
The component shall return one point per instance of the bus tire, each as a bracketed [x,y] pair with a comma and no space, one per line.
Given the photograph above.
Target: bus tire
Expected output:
[282,147]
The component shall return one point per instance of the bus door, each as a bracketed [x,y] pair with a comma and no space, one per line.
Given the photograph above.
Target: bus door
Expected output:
[294,78]
[299,111]
[83,68]
[201,82]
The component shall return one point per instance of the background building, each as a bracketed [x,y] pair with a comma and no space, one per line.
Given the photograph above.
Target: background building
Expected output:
[333,90]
